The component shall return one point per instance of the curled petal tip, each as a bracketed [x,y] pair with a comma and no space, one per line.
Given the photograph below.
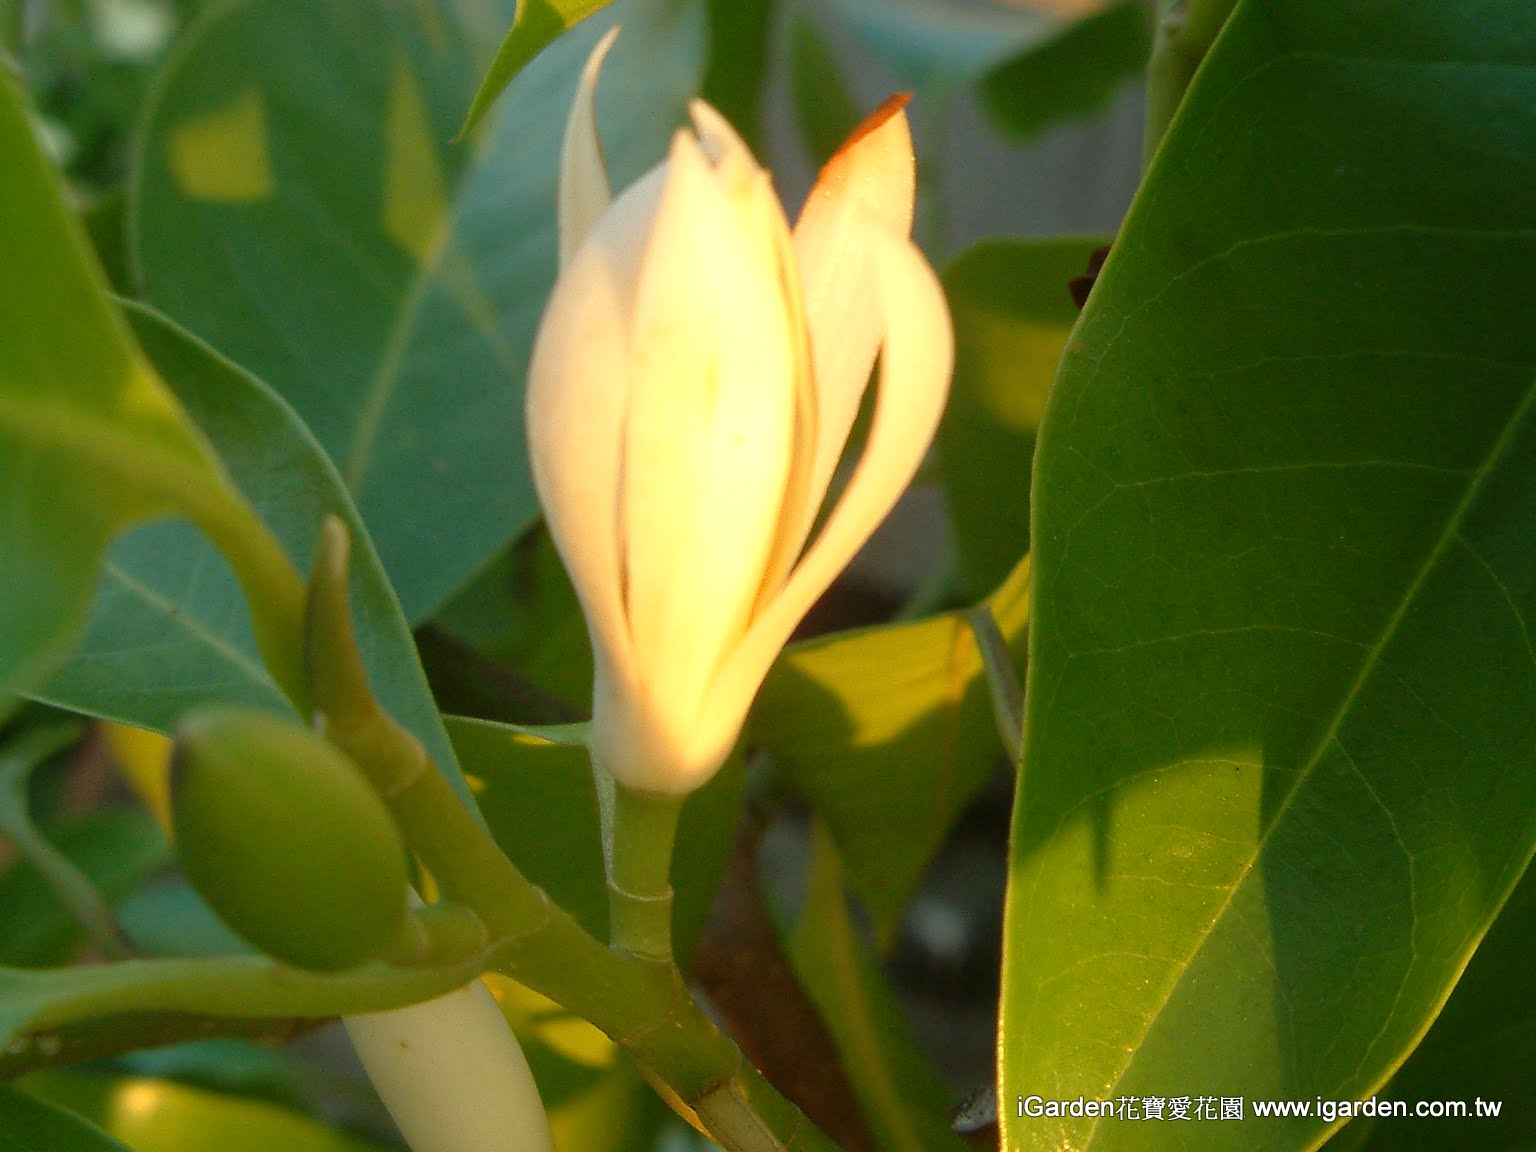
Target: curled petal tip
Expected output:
[584,189]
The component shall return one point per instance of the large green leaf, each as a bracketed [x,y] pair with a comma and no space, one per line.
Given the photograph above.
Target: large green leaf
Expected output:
[1479,1048]
[1280,750]
[1012,313]
[29,1125]
[90,442]
[888,732]
[299,204]
[169,630]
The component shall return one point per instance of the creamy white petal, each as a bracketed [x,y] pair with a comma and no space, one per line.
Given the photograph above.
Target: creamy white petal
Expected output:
[870,181]
[709,434]
[720,142]
[584,188]
[578,380]
[915,365]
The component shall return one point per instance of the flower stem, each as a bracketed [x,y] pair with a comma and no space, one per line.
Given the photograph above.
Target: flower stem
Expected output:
[639,864]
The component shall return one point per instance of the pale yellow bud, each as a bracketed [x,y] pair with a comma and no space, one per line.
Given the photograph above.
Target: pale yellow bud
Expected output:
[692,387]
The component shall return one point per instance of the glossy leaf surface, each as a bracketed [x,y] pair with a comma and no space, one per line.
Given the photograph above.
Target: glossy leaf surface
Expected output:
[299,205]
[1280,748]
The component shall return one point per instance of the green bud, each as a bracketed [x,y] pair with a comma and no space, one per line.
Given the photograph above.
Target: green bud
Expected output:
[285,839]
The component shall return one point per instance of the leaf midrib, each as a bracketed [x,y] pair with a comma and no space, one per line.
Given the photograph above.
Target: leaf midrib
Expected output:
[1365,673]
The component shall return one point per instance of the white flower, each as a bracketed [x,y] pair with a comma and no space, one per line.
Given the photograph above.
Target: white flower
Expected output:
[692,388]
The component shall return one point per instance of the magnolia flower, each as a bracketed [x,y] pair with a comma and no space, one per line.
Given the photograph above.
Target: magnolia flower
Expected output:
[692,388]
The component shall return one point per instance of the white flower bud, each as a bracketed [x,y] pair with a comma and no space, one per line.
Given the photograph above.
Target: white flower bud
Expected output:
[692,388]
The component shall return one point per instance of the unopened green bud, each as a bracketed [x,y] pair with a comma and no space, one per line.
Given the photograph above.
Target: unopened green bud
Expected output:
[285,839]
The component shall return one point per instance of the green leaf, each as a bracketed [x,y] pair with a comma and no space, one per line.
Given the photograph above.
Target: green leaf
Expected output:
[740,34]
[540,803]
[935,46]
[115,849]
[1074,74]
[168,630]
[29,1125]
[161,1116]
[906,1104]
[888,733]
[1479,1048]
[1012,314]
[521,610]
[1280,745]
[825,111]
[90,442]
[537,24]
[302,208]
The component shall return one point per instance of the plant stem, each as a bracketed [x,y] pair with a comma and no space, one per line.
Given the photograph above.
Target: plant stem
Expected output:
[274,590]
[639,865]
[1186,29]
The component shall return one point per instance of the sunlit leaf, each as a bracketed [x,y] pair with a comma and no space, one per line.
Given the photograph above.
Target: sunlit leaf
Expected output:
[888,733]
[1280,746]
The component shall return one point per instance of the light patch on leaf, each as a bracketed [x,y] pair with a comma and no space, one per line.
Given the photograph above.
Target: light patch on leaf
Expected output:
[415,202]
[222,154]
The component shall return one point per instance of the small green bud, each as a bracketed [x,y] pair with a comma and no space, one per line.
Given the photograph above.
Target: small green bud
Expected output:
[285,839]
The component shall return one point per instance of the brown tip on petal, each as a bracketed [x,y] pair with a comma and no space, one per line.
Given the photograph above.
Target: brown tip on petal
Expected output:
[889,107]
[898,148]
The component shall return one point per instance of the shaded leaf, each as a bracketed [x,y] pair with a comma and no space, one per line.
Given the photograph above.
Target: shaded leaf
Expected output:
[938,45]
[1012,315]
[1074,74]
[740,33]
[299,205]
[540,803]
[1280,745]
[115,849]
[169,631]
[1479,1048]
[30,1125]
[825,111]
[888,733]
[905,1102]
